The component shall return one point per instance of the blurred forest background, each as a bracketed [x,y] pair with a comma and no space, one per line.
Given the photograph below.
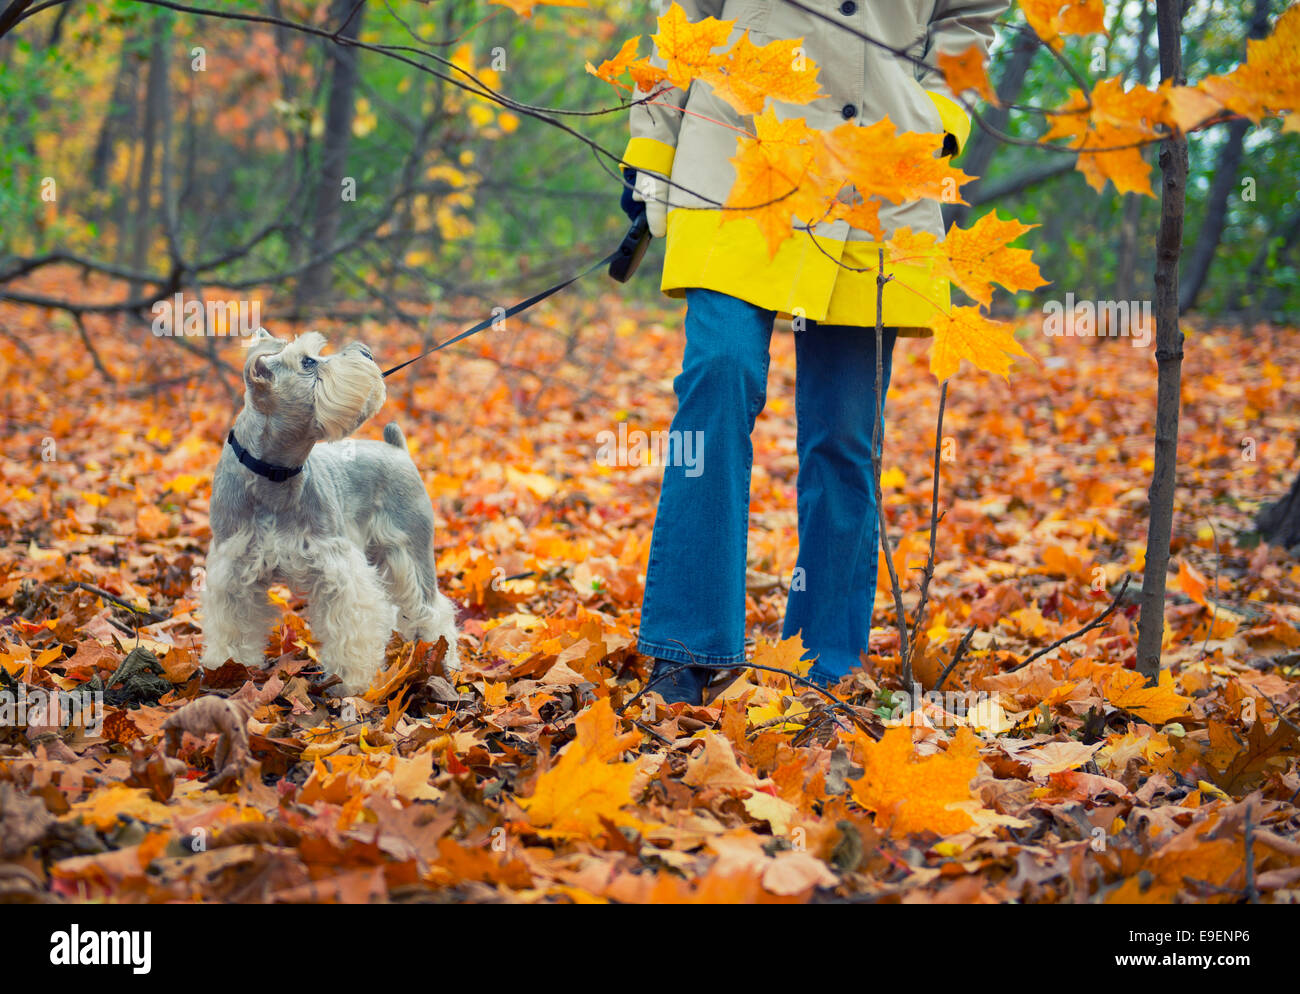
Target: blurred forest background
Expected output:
[165,146]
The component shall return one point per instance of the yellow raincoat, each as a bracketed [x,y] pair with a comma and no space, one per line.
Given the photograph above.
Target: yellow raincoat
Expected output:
[862,82]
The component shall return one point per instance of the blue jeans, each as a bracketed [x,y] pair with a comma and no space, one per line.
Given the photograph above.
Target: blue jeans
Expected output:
[695,583]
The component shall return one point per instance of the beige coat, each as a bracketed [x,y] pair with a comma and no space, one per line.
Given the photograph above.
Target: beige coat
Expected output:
[862,82]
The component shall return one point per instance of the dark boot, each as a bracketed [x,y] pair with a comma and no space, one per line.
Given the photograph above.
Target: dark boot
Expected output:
[686,686]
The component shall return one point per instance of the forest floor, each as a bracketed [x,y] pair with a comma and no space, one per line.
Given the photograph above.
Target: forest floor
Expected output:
[536,774]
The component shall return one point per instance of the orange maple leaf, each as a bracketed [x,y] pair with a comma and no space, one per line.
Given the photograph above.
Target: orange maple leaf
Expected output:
[1162,703]
[611,69]
[1192,582]
[686,47]
[1187,106]
[917,794]
[784,654]
[771,173]
[974,258]
[1051,19]
[791,175]
[589,782]
[878,160]
[967,70]
[1269,80]
[751,73]
[1110,131]
[965,333]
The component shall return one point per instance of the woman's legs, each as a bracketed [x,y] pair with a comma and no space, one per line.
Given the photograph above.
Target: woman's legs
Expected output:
[695,582]
[834,585]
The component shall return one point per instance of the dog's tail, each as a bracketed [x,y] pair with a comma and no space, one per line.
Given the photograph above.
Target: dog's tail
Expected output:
[393,436]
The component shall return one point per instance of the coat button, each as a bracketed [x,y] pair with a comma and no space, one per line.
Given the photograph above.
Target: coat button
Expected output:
[848,112]
[848,8]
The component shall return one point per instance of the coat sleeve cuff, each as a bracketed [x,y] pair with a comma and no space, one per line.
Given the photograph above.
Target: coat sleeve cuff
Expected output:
[651,155]
[954,117]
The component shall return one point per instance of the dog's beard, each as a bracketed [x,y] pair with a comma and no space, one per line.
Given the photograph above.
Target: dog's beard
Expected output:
[349,389]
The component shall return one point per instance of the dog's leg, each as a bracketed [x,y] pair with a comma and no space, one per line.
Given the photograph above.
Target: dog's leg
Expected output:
[237,616]
[424,612]
[349,615]
[401,542]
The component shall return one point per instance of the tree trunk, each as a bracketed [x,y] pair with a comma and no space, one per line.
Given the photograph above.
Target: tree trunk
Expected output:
[118,120]
[1225,181]
[155,99]
[315,282]
[1169,357]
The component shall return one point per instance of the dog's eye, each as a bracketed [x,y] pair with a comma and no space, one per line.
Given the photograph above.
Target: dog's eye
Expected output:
[308,364]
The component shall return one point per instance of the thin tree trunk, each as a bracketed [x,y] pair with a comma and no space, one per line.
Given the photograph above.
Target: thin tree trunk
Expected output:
[315,283]
[120,117]
[153,110]
[1225,181]
[1169,358]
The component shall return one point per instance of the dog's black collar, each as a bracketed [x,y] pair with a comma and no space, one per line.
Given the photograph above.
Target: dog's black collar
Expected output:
[274,473]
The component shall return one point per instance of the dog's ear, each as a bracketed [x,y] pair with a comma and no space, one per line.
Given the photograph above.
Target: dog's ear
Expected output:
[256,372]
[261,346]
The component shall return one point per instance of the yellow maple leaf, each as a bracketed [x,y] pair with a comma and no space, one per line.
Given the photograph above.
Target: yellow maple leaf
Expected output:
[411,775]
[965,333]
[974,258]
[1110,130]
[751,73]
[611,69]
[686,48]
[1269,80]
[917,794]
[1051,19]
[879,161]
[771,173]
[1187,106]
[588,781]
[184,483]
[790,176]
[1162,703]
[785,655]
[106,806]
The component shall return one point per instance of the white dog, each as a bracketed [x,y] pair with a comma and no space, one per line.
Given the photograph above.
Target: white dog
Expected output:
[346,523]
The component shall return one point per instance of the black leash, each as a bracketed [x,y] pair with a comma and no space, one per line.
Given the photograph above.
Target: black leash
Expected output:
[622,263]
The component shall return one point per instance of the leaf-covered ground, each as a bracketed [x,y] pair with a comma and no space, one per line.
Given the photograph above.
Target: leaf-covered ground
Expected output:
[537,773]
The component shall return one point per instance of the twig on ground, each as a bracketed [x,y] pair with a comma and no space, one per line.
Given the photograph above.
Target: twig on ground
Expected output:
[1094,623]
[956,657]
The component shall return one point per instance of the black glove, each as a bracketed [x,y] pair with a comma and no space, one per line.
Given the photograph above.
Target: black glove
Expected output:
[632,208]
